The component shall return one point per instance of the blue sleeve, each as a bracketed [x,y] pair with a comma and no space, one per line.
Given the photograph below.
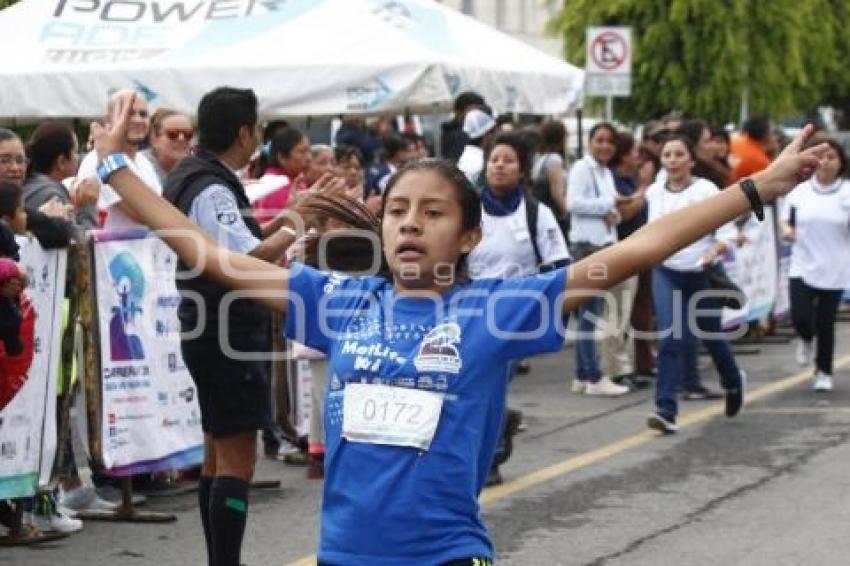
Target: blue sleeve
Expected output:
[525,314]
[321,306]
[216,211]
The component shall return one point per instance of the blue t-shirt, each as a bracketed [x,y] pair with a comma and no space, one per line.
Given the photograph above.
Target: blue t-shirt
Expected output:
[398,505]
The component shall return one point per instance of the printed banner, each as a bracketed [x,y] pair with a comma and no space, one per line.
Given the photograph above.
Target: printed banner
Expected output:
[754,268]
[150,415]
[28,422]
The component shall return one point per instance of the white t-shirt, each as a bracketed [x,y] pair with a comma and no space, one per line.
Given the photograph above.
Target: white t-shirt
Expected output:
[820,254]
[115,219]
[591,196]
[505,249]
[663,202]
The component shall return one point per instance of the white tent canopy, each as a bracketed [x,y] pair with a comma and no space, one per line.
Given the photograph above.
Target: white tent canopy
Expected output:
[302,57]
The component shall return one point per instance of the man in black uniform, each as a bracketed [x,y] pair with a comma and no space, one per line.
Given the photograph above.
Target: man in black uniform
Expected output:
[233,390]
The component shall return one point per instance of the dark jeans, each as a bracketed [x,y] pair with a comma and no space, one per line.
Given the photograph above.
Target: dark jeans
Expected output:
[643,320]
[813,312]
[679,339]
[587,356]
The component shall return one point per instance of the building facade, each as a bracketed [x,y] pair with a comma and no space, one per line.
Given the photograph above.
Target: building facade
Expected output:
[523,19]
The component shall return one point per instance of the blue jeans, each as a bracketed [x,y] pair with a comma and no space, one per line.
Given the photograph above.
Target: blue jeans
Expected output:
[678,344]
[587,359]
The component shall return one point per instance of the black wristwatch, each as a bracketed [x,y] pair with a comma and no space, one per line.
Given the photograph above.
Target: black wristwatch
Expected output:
[752,193]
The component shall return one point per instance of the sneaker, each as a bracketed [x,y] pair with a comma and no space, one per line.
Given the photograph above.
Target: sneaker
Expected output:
[701,394]
[605,388]
[57,522]
[296,458]
[805,352]
[822,382]
[523,367]
[83,498]
[735,397]
[578,386]
[665,426]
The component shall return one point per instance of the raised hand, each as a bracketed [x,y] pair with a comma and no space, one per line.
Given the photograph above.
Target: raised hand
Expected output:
[793,166]
[111,138]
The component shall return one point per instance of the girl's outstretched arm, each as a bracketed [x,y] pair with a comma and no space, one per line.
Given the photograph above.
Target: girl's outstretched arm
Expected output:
[658,240]
[266,282]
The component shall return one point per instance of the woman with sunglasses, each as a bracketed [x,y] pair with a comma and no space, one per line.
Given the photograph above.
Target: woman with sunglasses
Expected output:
[170,137]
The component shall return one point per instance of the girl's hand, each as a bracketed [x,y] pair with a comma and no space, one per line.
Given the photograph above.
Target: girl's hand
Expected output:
[789,234]
[86,192]
[791,167]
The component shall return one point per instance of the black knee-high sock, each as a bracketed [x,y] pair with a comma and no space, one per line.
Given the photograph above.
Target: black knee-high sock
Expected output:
[228,514]
[204,486]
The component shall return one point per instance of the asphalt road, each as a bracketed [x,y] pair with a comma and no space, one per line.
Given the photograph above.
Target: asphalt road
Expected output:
[589,485]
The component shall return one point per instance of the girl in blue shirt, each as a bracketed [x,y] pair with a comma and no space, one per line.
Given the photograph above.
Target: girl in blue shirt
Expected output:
[418,354]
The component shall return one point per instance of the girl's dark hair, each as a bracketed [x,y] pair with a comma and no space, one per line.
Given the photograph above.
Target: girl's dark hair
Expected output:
[603,126]
[686,141]
[11,196]
[517,142]
[553,135]
[818,139]
[693,129]
[49,141]
[721,133]
[282,142]
[346,152]
[625,145]
[467,197]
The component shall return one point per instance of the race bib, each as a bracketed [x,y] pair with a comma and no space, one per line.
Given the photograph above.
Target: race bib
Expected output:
[382,414]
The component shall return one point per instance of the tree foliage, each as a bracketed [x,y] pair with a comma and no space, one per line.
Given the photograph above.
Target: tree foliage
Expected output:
[702,56]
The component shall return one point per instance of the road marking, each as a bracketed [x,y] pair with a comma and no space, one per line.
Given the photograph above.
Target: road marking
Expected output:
[588,458]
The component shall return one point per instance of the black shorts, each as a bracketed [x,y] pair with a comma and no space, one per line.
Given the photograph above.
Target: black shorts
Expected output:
[234,395]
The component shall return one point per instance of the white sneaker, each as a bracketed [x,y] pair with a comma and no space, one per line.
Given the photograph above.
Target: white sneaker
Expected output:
[805,352]
[83,498]
[56,522]
[606,388]
[823,382]
[578,386]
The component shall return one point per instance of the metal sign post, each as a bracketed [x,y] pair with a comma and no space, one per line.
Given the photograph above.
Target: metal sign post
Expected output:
[609,64]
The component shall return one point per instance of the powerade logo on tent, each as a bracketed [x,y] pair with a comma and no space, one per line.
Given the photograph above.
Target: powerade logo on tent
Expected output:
[112,31]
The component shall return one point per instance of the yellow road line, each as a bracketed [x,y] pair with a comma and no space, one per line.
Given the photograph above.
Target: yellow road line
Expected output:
[588,458]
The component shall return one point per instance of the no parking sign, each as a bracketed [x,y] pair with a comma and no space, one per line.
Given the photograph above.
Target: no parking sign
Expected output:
[609,61]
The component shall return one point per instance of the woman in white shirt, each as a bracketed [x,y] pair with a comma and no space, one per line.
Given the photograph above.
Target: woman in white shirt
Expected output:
[675,283]
[817,220]
[591,201]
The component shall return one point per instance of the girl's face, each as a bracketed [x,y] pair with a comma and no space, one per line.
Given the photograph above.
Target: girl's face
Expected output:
[602,146]
[319,165]
[13,161]
[503,169]
[349,169]
[829,166]
[719,147]
[422,231]
[676,160]
[298,159]
[705,150]
[18,220]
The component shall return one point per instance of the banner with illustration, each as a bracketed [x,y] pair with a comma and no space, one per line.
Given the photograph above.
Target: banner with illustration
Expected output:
[150,418]
[27,419]
[753,266]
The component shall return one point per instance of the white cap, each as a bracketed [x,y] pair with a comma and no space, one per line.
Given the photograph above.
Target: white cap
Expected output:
[477,123]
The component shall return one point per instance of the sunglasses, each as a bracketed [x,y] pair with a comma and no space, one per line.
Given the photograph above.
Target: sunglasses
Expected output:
[175,135]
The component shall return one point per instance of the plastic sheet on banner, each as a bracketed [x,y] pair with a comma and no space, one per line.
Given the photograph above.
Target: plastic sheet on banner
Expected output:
[754,268]
[27,424]
[150,419]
